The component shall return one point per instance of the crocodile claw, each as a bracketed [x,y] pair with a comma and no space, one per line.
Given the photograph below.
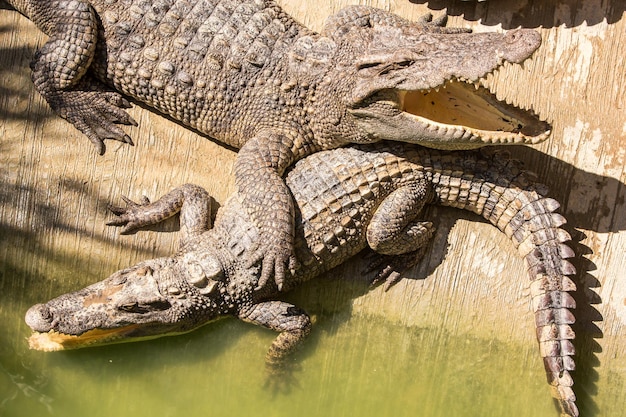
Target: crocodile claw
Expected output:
[95,111]
[274,263]
[128,216]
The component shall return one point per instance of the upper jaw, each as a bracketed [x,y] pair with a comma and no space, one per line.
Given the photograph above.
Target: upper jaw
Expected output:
[459,115]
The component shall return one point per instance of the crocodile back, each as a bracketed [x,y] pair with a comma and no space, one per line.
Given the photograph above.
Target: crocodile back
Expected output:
[336,194]
[197,61]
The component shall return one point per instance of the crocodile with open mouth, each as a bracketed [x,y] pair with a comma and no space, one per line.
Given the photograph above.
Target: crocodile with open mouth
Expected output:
[247,74]
[346,199]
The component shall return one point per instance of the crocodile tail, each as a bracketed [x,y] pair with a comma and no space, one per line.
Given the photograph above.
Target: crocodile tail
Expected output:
[510,198]
[531,221]
[536,230]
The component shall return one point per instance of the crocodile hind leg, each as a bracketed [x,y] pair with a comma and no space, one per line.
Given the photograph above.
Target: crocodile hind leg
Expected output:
[396,232]
[59,70]
[192,201]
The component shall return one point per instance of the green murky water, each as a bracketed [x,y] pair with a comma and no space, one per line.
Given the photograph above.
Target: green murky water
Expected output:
[351,366]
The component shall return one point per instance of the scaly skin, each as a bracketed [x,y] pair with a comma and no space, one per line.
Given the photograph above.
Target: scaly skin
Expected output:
[248,75]
[346,199]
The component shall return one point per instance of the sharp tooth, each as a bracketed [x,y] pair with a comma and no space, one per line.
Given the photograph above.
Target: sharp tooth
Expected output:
[436,89]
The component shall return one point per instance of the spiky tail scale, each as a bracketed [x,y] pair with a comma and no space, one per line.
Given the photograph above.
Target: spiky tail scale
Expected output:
[508,197]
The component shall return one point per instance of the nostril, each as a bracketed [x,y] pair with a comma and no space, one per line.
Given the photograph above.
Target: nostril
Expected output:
[39,318]
[520,44]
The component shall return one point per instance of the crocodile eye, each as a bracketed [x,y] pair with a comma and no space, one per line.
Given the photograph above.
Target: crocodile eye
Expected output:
[376,66]
[118,279]
[142,308]
[130,307]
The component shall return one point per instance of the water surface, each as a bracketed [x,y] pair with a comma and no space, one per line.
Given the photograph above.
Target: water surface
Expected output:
[351,365]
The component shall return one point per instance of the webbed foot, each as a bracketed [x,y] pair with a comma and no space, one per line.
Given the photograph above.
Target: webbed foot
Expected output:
[60,71]
[294,326]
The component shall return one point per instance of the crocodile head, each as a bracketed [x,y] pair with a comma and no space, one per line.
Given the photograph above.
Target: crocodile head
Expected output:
[424,83]
[154,298]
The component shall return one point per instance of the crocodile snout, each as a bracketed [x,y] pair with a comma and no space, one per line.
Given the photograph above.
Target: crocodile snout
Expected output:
[39,318]
[520,44]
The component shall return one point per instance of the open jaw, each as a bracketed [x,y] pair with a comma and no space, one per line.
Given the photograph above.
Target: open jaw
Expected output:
[457,115]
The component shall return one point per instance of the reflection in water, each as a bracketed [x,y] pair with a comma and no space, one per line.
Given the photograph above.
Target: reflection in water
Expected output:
[351,366]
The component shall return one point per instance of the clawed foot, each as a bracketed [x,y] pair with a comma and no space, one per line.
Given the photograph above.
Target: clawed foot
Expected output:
[130,217]
[95,111]
[275,262]
[390,267]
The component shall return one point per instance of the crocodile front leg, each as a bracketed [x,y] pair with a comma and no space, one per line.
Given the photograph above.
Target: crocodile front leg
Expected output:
[60,70]
[192,201]
[292,323]
[259,167]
